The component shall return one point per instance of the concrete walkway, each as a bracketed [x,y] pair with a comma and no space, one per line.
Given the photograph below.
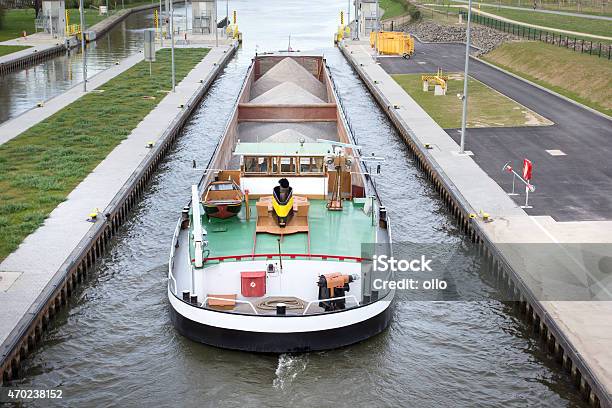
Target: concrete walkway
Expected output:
[572,286]
[14,127]
[27,271]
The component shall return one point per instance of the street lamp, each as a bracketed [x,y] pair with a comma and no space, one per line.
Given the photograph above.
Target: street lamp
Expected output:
[465,79]
[83,46]
[172,42]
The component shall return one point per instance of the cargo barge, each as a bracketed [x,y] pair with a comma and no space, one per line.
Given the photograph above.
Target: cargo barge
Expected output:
[285,269]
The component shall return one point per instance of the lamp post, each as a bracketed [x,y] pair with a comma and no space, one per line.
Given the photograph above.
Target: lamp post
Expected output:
[216,28]
[172,43]
[160,24]
[83,46]
[348,14]
[465,79]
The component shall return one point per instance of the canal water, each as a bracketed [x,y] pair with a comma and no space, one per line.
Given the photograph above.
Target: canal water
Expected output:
[115,345]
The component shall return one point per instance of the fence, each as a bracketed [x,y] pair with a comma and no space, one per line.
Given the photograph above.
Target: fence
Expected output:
[395,23]
[571,43]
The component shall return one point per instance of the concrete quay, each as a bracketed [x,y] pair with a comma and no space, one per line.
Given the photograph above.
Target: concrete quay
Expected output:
[41,46]
[40,276]
[563,296]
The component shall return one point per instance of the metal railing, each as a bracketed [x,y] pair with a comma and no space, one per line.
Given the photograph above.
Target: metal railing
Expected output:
[329,299]
[73,29]
[323,257]
[365,170]
[308,304]
[171,258]
[228,300]
[574,43]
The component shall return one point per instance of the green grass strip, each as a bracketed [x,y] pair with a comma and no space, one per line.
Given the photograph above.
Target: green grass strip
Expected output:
[9,49]
[41,166]
[581,77]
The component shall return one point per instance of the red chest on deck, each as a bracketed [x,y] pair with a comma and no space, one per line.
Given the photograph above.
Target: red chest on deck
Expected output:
[253,284]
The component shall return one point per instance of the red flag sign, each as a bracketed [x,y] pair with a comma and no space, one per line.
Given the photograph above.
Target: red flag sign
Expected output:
[527,167]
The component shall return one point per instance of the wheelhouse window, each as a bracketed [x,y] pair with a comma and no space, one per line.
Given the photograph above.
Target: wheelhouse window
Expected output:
[256,165]
[287,165]
[311,165]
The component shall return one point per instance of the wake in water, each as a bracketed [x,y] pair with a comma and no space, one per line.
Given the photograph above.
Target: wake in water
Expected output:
[288,368]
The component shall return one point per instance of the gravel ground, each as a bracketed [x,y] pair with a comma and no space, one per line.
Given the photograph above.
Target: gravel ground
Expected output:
[482,37]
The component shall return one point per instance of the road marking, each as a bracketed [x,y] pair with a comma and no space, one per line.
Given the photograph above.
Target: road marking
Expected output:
[555,152]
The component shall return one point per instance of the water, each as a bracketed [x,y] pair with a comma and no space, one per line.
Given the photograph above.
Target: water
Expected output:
[115,345]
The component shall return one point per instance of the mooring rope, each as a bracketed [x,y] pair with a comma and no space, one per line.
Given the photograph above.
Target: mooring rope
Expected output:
[290,302]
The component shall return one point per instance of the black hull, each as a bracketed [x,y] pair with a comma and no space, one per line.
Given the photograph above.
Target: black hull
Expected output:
[281,343]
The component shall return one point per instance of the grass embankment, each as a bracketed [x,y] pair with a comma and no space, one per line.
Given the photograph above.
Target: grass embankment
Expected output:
[42,165]
[553,5]
[486,107]
[393,8]
[9,49]
[569,23]
[577,24]
[578,76]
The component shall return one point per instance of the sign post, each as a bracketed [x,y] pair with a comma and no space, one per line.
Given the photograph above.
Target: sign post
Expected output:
[508,167]
[525,178]
[527,169]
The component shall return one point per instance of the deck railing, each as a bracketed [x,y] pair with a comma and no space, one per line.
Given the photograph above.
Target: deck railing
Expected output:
[323,257]
[171,258]
[308,303]
[327,300]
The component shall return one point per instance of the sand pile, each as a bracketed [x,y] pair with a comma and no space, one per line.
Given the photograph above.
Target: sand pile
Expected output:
[255,132]
[288,136]
[287,93]
[288,70]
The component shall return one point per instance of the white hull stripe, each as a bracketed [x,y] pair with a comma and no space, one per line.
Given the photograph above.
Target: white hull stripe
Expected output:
[273,324]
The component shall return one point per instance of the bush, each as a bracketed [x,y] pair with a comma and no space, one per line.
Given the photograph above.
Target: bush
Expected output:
[413,11]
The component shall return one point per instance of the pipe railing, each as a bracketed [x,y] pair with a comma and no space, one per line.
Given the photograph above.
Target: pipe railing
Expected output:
[284,255]
[171,258]
[228,300]
[308,304]
[329,299]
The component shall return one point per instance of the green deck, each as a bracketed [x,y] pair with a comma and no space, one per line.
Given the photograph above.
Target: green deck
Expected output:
[331,233]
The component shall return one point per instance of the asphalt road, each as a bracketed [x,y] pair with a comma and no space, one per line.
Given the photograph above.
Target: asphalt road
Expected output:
[576,186]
